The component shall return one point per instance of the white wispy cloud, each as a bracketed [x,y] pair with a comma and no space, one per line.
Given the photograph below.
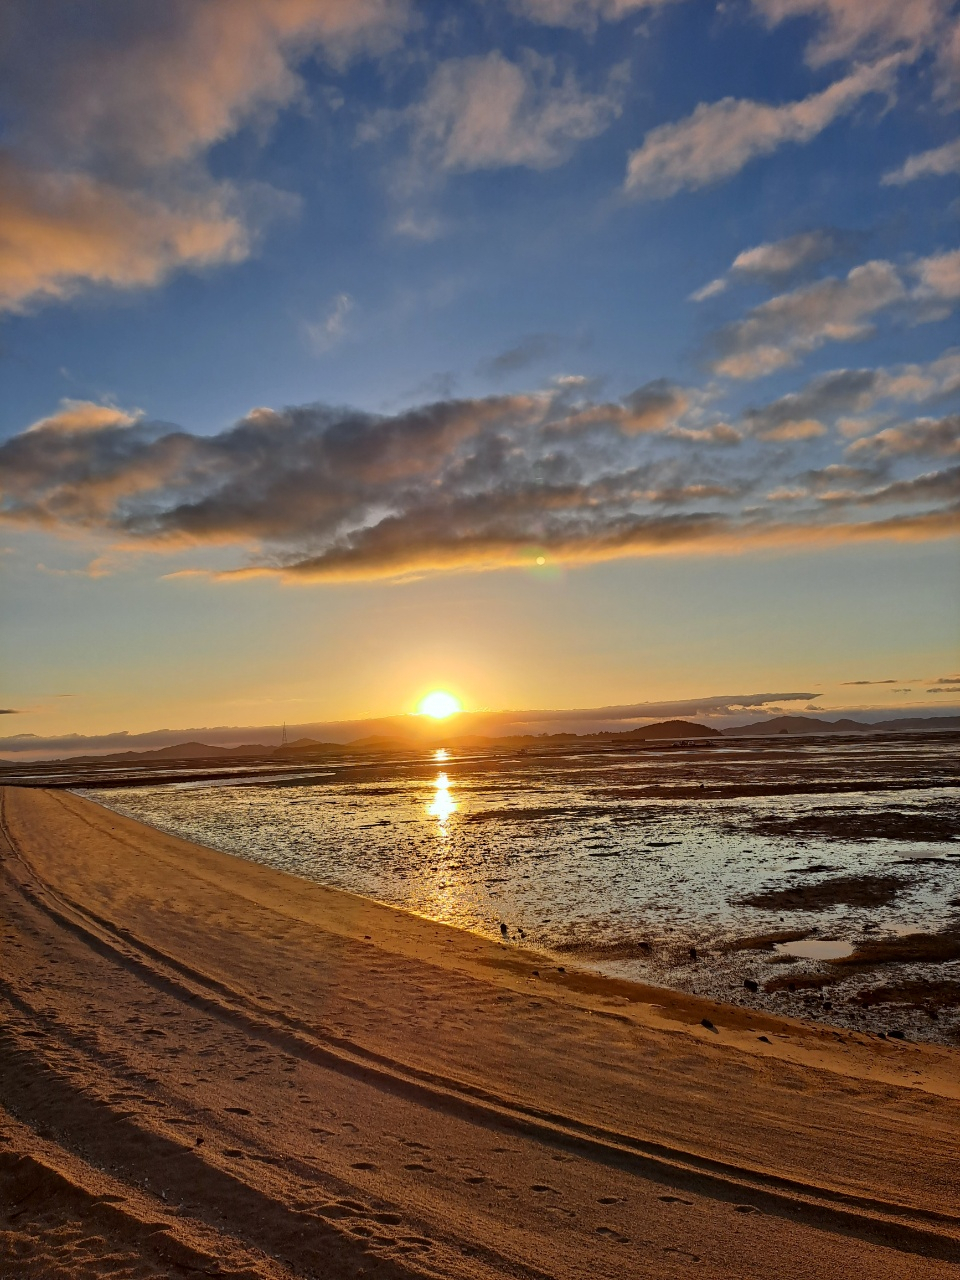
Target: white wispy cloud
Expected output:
[326,333]
[936,163]
[776,261]
[848,28]
[582,14]
[720,138]
[778,332]
[488,112]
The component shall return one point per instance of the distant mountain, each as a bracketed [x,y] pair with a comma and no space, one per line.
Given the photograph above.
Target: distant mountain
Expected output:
[668,729]
[810,724]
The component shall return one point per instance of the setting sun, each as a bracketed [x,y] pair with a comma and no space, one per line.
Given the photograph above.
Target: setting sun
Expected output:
[439,704]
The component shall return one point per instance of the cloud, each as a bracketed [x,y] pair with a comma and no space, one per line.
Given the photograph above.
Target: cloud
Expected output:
[720,138]
[848,682]
[855,391]
[778,332]
[923,437]
[713,705]
[487,112]
[719,433]
[862,27]
[782,260]
[109,108]
[937,163]
[85,415]
[935,486]
[710,290]
[528,351]
[327,332]
[841,473]
[316,493]
[939,277]
[823,397]
[582,14]
[9,711]
[61,231]
[655,407]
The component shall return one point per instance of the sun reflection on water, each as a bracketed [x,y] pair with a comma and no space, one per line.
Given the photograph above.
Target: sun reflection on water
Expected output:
[443,804]
[441,753]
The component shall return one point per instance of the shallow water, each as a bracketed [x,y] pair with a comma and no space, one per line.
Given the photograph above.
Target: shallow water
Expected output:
[634,864]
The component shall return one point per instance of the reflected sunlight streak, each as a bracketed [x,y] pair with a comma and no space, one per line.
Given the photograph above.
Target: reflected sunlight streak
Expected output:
[443,804]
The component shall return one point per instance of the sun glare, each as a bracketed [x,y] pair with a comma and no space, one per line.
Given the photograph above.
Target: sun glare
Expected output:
[439,705]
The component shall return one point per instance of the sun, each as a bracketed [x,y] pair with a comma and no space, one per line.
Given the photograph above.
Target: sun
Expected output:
[439,704]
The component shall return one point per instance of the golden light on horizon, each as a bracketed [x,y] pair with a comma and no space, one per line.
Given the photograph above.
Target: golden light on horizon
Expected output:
[439,704]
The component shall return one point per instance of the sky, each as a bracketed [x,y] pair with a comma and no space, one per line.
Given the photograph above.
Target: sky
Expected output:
[558,353]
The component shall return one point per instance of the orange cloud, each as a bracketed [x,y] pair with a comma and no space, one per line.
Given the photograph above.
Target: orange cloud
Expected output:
[142,102]
[85,415]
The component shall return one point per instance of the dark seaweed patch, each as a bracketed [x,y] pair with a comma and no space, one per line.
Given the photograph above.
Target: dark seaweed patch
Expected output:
[911,948]
[889,824]
[850,891]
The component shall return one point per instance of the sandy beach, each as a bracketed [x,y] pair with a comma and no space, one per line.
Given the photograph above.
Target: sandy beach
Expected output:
[207,1066]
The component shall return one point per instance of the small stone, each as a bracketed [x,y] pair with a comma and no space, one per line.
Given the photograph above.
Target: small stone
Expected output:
[751,985]
[705,1022]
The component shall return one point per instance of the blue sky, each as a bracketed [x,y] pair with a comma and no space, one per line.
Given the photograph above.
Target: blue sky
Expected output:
[334,316]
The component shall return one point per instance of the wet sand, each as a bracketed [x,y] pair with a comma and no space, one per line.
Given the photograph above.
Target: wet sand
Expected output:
[209,1066]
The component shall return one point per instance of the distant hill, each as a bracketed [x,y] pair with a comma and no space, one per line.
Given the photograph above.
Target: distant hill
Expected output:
[668,729]
[180,751]
[811,724]
[303,748]
[308,746]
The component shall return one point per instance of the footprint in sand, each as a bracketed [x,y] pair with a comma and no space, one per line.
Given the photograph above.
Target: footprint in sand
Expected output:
[610,1200]
[674,1200]
[419,1168]
[364,1164]
[610,1234]
[541,1187]
[237,1111]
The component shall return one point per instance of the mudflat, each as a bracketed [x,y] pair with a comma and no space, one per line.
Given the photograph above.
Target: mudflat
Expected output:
[209,1066]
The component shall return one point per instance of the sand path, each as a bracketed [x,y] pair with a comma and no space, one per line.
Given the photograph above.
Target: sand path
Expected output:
[208,1066]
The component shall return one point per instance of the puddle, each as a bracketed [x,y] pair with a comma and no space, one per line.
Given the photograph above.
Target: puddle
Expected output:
[814,949]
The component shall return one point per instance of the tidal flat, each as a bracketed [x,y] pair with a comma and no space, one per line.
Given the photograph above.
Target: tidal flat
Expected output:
[815,877]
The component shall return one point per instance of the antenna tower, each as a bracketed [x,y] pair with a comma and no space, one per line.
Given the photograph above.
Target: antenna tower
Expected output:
[283,735]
